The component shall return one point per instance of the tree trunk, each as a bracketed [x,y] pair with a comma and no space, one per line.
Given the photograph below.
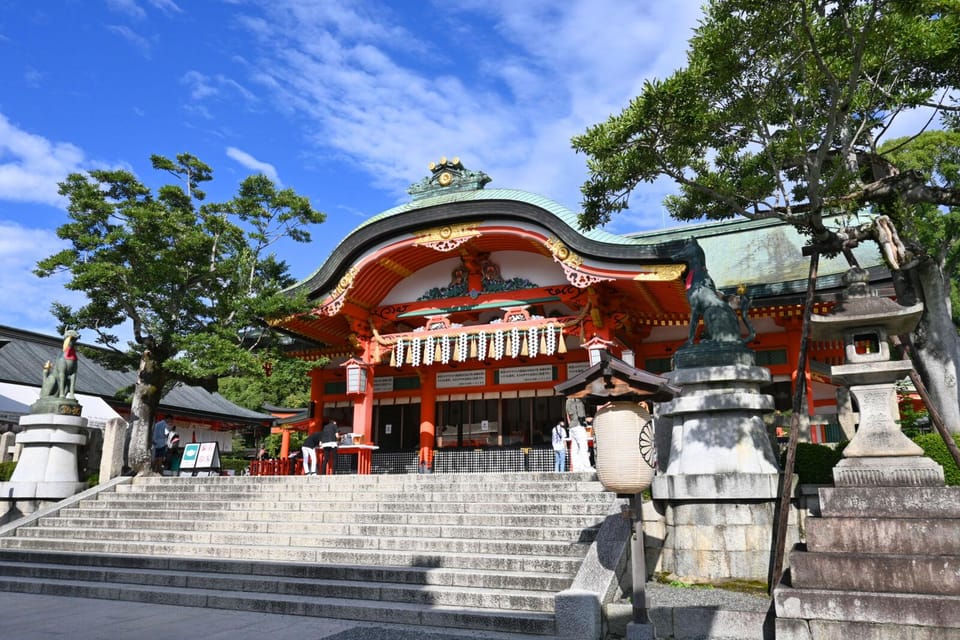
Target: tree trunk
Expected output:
[143,409]
[936,352]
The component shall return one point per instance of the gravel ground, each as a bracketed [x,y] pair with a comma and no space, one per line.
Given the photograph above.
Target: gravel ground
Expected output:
[663,595]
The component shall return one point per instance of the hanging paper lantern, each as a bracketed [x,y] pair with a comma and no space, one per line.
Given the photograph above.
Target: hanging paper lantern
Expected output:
[623,442]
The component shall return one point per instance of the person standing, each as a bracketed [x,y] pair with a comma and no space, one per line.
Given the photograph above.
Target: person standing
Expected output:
[159,443]
[559,441]
[329,442]
[173,447]
[579,449]
[309,451]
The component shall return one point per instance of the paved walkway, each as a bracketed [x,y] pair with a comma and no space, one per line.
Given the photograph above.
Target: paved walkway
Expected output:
[38,617]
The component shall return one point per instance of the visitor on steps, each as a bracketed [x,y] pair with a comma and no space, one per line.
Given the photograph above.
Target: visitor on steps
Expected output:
[173,447]
[309,451]
[159,443]
[329,442]
[559,441]
[579,449]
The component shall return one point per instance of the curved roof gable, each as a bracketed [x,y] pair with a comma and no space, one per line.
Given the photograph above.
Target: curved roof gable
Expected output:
[491,208]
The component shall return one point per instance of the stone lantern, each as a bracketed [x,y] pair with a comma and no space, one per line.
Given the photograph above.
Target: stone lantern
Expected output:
[879,454]
[623,441]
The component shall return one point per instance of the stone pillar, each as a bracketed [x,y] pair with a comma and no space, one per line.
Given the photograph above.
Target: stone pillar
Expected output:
[722,478]
[6,443]
[114,445]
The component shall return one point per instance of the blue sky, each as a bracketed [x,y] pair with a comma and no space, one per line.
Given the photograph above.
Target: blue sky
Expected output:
[345,101]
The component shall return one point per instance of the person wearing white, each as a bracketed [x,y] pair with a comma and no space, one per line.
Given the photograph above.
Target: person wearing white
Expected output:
[579,449]
[558,440]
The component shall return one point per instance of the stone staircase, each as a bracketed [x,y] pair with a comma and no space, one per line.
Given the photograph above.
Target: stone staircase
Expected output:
[472,551]
[879,563]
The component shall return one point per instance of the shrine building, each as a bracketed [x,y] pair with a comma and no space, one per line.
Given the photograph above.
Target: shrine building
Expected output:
[446,322]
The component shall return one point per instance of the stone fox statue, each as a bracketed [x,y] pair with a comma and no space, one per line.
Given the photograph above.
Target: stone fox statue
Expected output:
[60,379]
[719,319]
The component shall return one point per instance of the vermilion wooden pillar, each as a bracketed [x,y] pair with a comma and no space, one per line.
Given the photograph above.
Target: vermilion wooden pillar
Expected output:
[428,418]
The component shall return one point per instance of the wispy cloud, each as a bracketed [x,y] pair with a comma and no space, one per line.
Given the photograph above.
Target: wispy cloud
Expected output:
[204,87]
[129,8]
[248,161]
[31,166]
[363,86]
[166,6]
[138,41]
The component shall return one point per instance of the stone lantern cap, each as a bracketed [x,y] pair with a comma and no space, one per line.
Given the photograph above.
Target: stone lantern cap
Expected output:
[857,313]
[861,310]
[614,379]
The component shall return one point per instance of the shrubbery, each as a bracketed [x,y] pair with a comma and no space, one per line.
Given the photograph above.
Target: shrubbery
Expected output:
[935,448]
[6,470]
[814,462]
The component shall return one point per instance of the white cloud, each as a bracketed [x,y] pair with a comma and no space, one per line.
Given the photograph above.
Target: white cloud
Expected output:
[507,105]
[139,42]
[248,161]
[31,166]
[203,87]
[166,6]
[20,250]
[130,8]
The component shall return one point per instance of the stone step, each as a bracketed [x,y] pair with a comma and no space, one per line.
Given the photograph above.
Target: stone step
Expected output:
[354,589]
[168,503]
[890,502]
[859,606]
[318,542]
[886,573]
[790,629]
[917,536]
[469,551]
[330,529]
[457,480]
[100,511]
[442,497]
[434,576]
[322,485]
[430,615]
[368,557]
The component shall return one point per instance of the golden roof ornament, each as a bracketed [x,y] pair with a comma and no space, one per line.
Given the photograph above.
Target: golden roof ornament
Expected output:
[448,176]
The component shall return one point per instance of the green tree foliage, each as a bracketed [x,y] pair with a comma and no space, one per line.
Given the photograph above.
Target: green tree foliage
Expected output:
[934,232]
[288,385]
[192,281]
[781,112]
[936,449]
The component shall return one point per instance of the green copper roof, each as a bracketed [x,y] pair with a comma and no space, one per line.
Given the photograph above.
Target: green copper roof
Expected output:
[557,209]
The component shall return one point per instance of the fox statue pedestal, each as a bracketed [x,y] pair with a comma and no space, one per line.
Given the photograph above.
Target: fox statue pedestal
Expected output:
[47,469]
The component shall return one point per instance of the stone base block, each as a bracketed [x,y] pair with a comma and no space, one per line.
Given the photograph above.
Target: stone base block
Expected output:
[717,541]
[903,609]
[890,502]
[792,629]
[716,486]
[637,631]
[43,490]
[888,472]
[917,536]
[876,572]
